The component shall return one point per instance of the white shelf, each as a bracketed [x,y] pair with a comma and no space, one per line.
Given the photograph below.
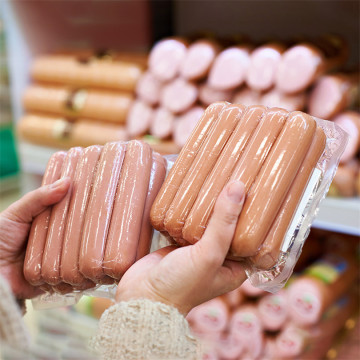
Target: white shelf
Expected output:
[339,215]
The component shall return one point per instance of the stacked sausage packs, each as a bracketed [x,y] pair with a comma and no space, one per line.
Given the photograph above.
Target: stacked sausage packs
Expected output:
[286,162]
[101,226]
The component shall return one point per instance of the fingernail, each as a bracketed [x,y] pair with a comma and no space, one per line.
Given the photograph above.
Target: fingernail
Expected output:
[236,192]
[57,184]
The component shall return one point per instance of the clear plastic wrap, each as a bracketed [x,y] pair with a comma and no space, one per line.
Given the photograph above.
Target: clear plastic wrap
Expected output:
[287,167]
[254,132]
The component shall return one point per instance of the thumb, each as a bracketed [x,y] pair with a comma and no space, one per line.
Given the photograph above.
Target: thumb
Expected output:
[220,230]
[34,202]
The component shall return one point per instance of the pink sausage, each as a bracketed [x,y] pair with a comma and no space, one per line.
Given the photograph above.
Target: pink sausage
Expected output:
[229,68]
[128,210]
[183,164]
[272,184]
[139,118]
[201,211]
[99,210]
[39,227]
[162,124]
[247,97]
[148,89]
[289,102]
[157,176]
[185,124]
[250,290]
[228,347]
[50,269]
[198,60]
[245,322]
[273,309]
[179,95]
[166,57]
[82,185]
[209,95]
[200,168]
[263,66]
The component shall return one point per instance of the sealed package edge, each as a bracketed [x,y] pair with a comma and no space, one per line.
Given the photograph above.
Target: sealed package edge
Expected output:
[286,161]
[75,244]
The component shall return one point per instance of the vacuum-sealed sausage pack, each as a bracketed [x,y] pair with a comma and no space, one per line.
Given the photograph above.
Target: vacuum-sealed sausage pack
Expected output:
[101,226]
[286,161]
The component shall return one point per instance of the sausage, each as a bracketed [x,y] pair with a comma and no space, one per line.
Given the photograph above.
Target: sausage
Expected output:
[259,146]
[201,211]
[185,124]
[292,342]
[86,133]
[274,180]
[82,185]
[333,94]
[234,298]
[245,322]
[250,290]
[311,62]
[139,118]
[350,122]
[95,73]
[179,95]
[210,317]
[290,102]
[50,267]
[273,310]
[228,347]
[162,124]
[157,176]
[344,182]
[319,287]
[271,247]
[263,66]
[39,226]
[98,213]
[208,95]
[204,161]
[45,130]
[229,68]
[198,60]
[90,104]
[183,164]
[166,57]
[148,89]
[126,220]
[247,97]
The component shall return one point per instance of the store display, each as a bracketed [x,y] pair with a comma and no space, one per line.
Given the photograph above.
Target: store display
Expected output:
[261,326]
[222,149]
[102,225]
[72,104]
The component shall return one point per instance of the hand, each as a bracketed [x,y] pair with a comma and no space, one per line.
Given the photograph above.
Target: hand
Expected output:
[15,223]
[188,276]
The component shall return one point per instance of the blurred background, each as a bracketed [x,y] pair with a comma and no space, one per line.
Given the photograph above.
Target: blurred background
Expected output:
[76,73]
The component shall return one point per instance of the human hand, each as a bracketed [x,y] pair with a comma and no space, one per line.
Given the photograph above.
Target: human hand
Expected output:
[188,276]
[15,223]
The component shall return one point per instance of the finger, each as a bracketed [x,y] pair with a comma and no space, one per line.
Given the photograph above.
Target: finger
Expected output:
[34,202]
[219,233]
[229,277]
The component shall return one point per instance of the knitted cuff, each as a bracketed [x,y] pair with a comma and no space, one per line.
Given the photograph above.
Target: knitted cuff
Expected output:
[143,329]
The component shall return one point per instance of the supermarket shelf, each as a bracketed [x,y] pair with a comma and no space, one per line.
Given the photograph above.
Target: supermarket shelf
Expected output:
[339,215]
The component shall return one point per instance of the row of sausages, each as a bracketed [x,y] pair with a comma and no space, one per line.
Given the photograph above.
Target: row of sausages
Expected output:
[273,152]
[233,326]
[101,226]
[261,68]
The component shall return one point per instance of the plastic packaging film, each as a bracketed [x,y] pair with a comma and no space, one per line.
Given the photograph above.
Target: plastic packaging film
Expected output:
[293,158]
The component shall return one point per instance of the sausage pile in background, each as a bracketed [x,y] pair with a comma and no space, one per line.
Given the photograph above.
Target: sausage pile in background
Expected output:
[76,243]
[80,99]
[299,322]
[182,78]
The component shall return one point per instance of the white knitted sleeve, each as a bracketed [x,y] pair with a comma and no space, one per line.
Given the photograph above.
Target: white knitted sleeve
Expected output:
[143,329]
